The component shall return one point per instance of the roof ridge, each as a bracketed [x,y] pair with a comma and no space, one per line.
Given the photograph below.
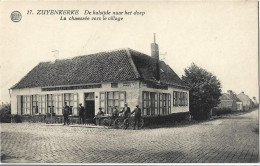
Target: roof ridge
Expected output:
[130,59]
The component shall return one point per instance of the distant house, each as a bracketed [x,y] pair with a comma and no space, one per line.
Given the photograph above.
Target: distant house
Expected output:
[102,80]
[247,102]
[231,101]
[227,102]
[255,103]
[233,96]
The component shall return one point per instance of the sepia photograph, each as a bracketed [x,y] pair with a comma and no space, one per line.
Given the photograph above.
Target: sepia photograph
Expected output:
[120,82]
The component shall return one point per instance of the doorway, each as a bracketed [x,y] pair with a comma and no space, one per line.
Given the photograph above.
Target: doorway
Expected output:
[89,99]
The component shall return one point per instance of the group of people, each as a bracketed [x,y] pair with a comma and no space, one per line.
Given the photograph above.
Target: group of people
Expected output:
[66,112]
[126,112]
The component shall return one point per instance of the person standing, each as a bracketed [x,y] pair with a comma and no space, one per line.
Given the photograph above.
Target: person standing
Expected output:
[81,114]
[66,113]
[137,117]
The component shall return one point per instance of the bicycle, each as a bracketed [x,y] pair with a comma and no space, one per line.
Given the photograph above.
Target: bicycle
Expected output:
[129,122]
[120,122]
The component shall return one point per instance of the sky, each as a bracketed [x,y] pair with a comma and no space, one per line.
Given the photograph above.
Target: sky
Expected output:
[219,36]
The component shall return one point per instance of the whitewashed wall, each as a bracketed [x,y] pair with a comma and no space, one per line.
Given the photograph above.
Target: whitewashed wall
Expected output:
[133,90]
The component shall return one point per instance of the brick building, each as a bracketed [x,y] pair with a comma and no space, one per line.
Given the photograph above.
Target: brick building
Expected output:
[105,80]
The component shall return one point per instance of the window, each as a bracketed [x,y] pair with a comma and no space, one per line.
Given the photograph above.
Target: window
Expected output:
[163,106]
[146,103]
[114,85]
[186,98]
[165,103]
[151,101]
[180,98]
[169,103]
[35,104]
[68,97]
[41,103]
[175,103]
[26,105]
[108,100]
[50,103]
[58,104]
[102,101]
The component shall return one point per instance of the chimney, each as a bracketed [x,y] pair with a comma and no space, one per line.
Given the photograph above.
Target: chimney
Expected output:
[155,50]
[229,91]
[155,55]
[55,55]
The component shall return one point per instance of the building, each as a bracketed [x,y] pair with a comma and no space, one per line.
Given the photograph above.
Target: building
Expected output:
[226,102]
[247,102]
[231,101]
[238,103]
[105,80]
[255,104]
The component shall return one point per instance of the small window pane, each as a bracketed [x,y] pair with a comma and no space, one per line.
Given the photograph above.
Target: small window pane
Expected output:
[110,95]
[122,96]
[122,104]
[116,103]
[102,104]
[116,95]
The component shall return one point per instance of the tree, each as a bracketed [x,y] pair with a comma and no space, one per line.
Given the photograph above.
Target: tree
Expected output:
[205,90]
[5,112]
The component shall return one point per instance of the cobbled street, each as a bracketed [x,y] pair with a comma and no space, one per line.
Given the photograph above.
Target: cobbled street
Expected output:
[232,138]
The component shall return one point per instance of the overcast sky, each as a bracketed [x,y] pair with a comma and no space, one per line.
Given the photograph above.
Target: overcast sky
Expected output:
[218,36]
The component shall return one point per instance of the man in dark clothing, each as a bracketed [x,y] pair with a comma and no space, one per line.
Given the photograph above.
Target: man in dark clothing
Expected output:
[99,114]
[137,118]
[66,113]
[126,111]
[81,114]
[115,113]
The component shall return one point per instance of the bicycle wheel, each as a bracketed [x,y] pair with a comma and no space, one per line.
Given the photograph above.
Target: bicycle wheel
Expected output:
[126,123]
[104,122]
[141,123]
[117,123]
[131,123]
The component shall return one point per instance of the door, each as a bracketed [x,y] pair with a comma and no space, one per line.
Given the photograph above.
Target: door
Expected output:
[90,105]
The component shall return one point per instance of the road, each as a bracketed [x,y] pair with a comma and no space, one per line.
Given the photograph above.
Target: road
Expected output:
[230,139]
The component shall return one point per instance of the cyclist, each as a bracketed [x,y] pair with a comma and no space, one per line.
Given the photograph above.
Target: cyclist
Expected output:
[126,114]
[126,111]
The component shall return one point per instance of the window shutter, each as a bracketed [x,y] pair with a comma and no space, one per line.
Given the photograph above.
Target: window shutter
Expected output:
[156,103]
[102,101]
[45,103]
[19,112]
[30,105]
[169,103]
[55,97]
[75,104]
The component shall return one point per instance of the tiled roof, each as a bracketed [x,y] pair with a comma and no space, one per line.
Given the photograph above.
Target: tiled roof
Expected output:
[146,67]
[243,97]
[225,96]
[234,97]
[119,65]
